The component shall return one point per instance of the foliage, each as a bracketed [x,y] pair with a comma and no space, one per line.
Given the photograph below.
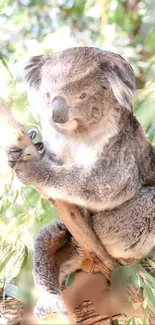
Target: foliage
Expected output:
[30,27]
[135,275]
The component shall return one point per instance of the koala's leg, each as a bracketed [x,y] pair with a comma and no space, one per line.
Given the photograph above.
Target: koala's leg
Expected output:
[129,230]
[56,254]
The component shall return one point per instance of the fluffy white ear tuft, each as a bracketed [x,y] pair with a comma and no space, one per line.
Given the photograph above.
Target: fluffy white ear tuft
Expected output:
[30,70]
[120,77]
[123,94]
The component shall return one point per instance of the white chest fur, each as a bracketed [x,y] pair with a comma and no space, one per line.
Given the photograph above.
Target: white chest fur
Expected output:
[73,150]
[84,153]
[79,149]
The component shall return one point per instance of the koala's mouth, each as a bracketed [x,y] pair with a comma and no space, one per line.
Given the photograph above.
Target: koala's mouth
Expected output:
[71,124]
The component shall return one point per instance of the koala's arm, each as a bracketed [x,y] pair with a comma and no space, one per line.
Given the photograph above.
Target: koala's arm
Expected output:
[86,185]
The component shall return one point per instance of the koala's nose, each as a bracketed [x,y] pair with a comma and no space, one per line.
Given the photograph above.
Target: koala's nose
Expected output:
[59,110]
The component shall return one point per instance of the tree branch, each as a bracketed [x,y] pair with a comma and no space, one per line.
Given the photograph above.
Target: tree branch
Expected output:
[16,135]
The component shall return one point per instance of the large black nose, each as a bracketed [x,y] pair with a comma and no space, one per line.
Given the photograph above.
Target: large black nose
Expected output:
[59,110]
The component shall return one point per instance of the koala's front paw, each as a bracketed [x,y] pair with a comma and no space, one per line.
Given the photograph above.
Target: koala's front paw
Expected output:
[27,168]
[14,155]
[49,305]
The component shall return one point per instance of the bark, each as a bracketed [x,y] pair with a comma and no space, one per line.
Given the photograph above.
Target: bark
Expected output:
[70,215]
[11,312]
[86,314]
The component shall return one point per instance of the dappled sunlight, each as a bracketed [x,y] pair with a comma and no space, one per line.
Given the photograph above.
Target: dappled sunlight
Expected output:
[29,28]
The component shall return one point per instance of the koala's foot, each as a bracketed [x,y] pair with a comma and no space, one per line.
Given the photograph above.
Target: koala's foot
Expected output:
[49,305]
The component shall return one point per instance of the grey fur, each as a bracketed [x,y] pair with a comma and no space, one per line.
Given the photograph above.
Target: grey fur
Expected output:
[103,161]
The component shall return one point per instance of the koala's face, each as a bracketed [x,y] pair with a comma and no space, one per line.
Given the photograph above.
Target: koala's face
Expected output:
[80,87]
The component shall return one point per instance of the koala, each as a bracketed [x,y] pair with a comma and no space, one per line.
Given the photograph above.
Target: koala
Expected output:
[94,155]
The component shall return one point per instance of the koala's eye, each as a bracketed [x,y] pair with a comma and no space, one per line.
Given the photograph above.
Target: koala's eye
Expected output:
[104,87]
[47,94]
[83,95]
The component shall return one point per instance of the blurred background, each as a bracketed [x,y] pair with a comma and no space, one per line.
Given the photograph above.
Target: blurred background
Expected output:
[32,27]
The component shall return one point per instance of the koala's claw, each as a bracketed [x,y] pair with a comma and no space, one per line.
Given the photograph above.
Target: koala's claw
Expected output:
[32,134]
[49,305]
[14,154]
[40,146]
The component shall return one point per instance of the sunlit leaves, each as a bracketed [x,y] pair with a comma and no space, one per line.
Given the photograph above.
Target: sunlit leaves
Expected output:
[136,276]
[70,279]
[127,275]
[3,262]
[5,65]
[29,27]
[12,291]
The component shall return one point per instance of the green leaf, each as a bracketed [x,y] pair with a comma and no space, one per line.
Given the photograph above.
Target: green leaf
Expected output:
[147,277]
[26,254]
[70,279]
[151,263]
[12,291]
[116,322]
[149,294]
[137,280]
[4,263]
[6,65]
[4,252]
[146,316]
[15,197]
[126,275]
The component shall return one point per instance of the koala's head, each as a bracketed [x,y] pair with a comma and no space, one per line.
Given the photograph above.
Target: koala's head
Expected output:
[79,87]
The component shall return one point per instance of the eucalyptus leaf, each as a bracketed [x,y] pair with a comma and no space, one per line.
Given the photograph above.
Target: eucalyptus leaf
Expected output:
[137,280]
[148,278]
[70,279]
[4,263]
[125,275]
[151,263]
[26,254]
[5,65]
[15,197]
[12,291]
[116,322]
[146,316]
[149,294]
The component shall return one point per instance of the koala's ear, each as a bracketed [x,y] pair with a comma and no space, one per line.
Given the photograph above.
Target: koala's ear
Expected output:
[30,71]
[121,78]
